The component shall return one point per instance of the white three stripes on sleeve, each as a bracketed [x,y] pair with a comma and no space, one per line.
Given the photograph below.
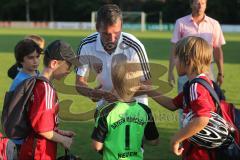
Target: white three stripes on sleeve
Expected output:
[48,95]
[193,92]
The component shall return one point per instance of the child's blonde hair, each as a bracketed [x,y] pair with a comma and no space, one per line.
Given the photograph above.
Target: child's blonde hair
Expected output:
[194,53]
[37,39]
[125,76]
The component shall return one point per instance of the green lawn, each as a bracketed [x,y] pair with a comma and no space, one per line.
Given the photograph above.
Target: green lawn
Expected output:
[76,111]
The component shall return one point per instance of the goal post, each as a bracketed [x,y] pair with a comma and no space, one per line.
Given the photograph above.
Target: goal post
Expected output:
[134,20]
[93,20]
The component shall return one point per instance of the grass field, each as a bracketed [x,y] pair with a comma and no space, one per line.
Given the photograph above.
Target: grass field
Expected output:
[75,111]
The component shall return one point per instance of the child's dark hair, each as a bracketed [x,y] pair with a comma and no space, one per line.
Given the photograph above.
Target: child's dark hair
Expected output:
[24,48]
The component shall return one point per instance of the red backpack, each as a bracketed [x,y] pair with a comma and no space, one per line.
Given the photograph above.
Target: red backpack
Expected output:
[7,148]
[232,115]
[3,146]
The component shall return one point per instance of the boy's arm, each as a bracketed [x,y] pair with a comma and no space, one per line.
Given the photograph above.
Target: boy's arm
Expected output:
[54,136]
[99,133]
[162,100]
[194,126]
[98,146]
[150,132]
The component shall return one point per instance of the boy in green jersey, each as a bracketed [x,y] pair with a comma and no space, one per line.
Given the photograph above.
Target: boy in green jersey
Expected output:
[122,126]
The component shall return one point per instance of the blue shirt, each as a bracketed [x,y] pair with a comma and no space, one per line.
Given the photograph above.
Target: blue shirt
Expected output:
[21,76]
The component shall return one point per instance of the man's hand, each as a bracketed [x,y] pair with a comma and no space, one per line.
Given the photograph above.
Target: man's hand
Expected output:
[98,94]
[67,133]
[110,97]
[95,95]
[220,78]
[67,142]
[218,57]
[171,78]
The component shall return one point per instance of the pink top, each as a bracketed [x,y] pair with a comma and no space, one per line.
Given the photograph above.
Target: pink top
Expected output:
[209,29]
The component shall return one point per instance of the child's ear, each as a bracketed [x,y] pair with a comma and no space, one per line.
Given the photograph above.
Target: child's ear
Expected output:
[54,64]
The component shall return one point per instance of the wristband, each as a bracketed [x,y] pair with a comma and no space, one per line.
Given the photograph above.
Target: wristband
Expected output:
[220,74]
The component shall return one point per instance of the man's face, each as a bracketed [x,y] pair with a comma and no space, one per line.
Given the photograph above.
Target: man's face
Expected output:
[199,7]
[110,35]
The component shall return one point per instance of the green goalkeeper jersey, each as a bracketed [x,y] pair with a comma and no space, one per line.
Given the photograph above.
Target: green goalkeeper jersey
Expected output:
[121,127]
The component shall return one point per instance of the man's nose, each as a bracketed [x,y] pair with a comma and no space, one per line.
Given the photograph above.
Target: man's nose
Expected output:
[199,6]
[112,38]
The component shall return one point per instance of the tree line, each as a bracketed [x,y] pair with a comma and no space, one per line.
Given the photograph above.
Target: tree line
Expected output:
[225,11]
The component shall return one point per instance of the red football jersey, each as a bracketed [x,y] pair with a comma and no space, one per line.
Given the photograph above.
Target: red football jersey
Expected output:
[43,116]
[3,147]
[201,103]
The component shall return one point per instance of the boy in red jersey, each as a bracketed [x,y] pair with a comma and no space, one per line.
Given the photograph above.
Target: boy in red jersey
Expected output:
[192,58]
[44,107]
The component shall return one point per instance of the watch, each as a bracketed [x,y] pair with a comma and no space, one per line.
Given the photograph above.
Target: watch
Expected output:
[220,74]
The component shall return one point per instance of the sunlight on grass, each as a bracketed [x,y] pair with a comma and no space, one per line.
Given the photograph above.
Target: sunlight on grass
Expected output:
[157,45]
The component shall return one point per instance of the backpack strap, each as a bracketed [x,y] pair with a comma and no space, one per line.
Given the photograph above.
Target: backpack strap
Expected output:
[34,146]
[211,90]
[186,92]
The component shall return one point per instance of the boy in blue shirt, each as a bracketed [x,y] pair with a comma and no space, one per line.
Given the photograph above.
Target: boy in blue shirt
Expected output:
[27,54]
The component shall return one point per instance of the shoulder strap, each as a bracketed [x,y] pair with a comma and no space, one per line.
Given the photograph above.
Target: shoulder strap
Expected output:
[211,90]
[42,78]
[186,92]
